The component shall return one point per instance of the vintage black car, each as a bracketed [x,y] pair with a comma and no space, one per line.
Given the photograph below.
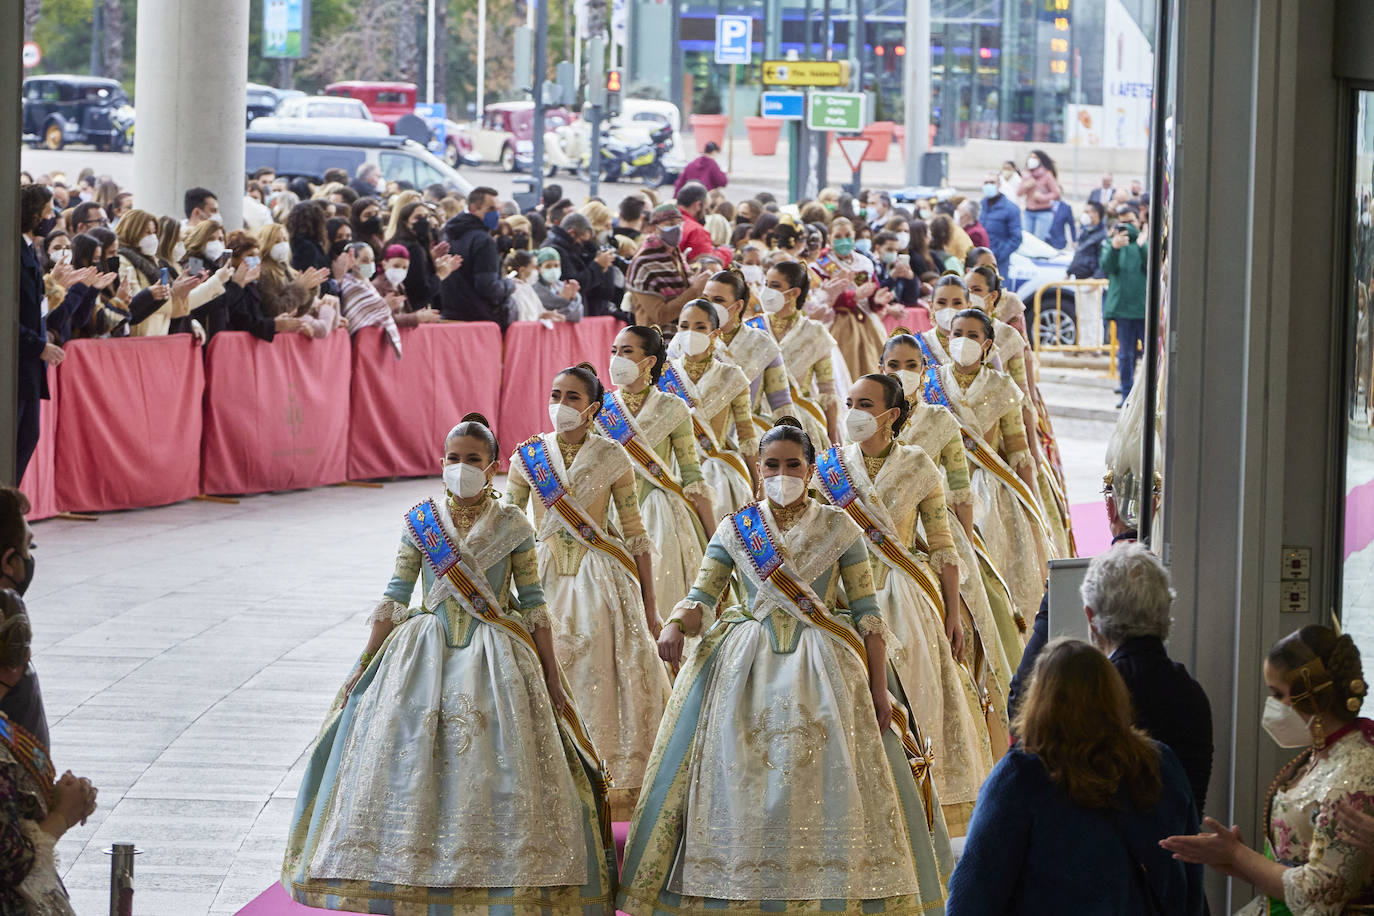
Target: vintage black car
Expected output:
[77,109]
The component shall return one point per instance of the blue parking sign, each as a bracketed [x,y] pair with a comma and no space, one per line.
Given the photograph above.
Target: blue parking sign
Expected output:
[734,39]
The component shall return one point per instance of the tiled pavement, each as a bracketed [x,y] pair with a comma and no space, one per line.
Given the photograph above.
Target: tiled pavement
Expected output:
[188,655]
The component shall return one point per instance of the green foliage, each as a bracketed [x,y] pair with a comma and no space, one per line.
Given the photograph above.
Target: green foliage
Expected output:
[63,32]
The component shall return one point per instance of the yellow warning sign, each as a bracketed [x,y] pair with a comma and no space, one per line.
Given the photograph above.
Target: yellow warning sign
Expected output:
[806,73]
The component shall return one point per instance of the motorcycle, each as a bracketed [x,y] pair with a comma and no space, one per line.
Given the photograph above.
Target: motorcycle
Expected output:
[633,158]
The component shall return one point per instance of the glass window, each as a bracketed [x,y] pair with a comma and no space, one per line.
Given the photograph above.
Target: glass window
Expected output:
[398,167]
[394,97]
[1357,578]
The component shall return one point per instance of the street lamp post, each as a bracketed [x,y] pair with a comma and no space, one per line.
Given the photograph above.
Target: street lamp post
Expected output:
[916,77]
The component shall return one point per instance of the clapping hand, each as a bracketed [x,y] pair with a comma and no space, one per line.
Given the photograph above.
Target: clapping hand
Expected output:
[570,289]
[65,275]
[439,250]
[866,291]
[343,263]
[102,281]
[183,284]
[315,276]
[447,264]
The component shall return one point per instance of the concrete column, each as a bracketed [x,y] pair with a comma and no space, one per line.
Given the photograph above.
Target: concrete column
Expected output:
[11,78]
[916,79]
[190,97]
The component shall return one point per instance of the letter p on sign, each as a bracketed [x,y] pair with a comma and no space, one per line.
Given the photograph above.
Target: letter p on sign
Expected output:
[734,39]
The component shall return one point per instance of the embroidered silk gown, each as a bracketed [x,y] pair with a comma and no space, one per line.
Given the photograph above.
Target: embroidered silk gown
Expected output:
[445,784]
[1016,541]
[982,587]
[770,787]
[605,647]
[760,359]
[720,393]
[1327,875]
[665,428]
[28,863]
[908,490]
[806,347]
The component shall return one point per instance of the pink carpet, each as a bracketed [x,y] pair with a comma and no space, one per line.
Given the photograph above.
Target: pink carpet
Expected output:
[275,902]
[1090,531]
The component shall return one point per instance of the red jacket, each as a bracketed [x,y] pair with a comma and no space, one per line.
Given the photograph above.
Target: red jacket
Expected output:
[697,241]
[704,170]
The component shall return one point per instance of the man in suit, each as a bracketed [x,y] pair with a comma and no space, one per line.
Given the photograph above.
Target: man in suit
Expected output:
[1102,195]
[35,353]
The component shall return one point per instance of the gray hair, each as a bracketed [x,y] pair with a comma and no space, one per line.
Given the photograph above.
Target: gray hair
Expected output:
[1127,588]
[972,208]
[574,223]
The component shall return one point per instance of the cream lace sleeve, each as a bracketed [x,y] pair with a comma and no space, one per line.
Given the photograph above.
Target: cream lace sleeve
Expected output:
[954,460]
[625,497]
[746,433]
[394,605]
[1014,445]
[935,520]
[684,446]
[713,578]
[824,372]
[524,567]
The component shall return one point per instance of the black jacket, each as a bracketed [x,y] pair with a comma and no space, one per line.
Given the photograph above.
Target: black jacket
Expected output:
[1086,258]
[33,377]
[579,263]
[476,291]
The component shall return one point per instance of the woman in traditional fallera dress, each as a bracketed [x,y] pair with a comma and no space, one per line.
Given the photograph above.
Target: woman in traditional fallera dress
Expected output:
[746,341]
[806,347]
[779,780]
[717,393]
[936,430]
[655,428]
[456,778]
[895,494]
[599,585]
[1007,510]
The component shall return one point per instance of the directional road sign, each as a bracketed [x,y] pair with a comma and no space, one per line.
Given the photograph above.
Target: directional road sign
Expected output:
[842,112]
[806,73]
[734,39]
[854,149]
[785,106]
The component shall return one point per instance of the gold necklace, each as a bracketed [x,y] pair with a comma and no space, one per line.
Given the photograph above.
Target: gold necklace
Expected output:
[730,335]
[569,450]
[782,324]
[464,517]
[635,400]
[874,463]
[964,379]
[786,516]
[697,366]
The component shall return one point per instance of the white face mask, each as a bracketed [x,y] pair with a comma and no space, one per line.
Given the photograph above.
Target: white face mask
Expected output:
[624,371]
[213,249]
[694,343]
[148,245]
[771,299]
[62,256]
[783,490]
[1285,724]
[903,240]
[281,252]
[551,275]
[394,275]
[911,382]
[366,269]
[564,418]
[722,313]
[944,318]
[860,426]
[753,275]
[965,351]
[464,481]
[1086,219]
[1032,163]
[178,252]
[977,302]
[216,217]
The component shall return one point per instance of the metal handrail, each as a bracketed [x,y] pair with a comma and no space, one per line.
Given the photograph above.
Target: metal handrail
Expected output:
[1059,346]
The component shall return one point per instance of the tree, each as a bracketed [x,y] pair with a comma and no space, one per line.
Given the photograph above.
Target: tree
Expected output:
[112,39]
[31,8]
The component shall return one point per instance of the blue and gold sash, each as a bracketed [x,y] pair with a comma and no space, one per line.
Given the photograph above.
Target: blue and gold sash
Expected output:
[617,426]
[534,457]
[474,592]
[30,754]
[672,382]
[771,570]
[758,322]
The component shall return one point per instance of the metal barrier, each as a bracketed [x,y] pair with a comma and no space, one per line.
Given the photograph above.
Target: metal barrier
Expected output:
[122,878]
[1059,346]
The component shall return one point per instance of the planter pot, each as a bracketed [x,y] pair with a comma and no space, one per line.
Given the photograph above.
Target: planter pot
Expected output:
[763,135]
[880,132]
[709,129]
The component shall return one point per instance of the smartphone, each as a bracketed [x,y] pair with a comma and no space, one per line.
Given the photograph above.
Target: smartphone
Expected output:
[194,264]
[904,260]
[166,276]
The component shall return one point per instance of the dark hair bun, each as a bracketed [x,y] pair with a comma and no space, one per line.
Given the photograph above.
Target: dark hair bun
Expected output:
[476,417]
[589,367]
[787,421]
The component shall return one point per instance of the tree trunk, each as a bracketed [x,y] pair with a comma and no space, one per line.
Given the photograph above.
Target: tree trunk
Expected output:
[31,8]
[407,46]
[596,18]
[441,52]
[568,16]
[112,51]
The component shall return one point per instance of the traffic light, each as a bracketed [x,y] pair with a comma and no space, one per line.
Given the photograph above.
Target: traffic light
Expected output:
[612,92]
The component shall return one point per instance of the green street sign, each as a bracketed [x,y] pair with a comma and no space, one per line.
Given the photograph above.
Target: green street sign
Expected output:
[842,112]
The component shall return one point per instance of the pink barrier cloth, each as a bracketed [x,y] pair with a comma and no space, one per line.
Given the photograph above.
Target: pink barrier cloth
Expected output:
[402,408]
[129,431]
[276,414]
[534,354]
[916,319]
[40,478]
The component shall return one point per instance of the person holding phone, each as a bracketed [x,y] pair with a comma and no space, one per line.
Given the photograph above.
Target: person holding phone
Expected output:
[1123,264]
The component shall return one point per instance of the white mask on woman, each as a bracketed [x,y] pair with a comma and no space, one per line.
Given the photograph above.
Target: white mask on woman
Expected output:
[281,252]
[1285,724]
[178,252]
[783,489]
[366,269]
[860,425]
[564,417]
[694,343]
[464,481]
[965,351]
[903,240]
[911,382]
[62,256]
[148,245]
[944,318]
[624,371]
[771,299]
[213,249]
[394,275]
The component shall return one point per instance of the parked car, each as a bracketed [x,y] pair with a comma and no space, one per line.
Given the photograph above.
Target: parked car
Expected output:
[322,106]
[506,133]
[318,114]
[386,102]
[1036,265]
[294,155]
[61,109]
